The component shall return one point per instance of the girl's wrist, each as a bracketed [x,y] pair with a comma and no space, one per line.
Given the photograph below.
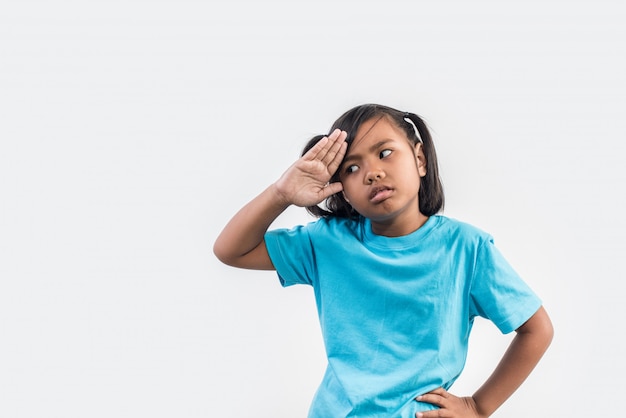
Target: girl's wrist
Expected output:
[278,197]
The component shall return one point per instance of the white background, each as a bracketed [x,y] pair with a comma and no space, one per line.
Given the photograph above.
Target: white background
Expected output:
[132,130]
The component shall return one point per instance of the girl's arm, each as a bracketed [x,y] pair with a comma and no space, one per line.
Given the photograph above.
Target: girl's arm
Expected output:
[241,243]
[523,354]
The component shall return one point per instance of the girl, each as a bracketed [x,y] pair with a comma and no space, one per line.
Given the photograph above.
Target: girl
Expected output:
[397,286]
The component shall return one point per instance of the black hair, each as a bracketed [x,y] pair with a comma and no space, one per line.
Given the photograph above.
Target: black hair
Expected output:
[431,196]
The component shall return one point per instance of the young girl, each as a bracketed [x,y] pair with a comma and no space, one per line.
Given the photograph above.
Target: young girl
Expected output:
[397,286]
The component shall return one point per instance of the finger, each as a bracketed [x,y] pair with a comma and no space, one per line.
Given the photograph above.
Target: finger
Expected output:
[331,189]
[436,397]
[336,161]
[440,391]
[332,147]
[437,413]
[316,150]
[334,134]
[431,398]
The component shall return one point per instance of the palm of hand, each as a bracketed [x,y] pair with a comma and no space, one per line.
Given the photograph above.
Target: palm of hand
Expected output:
[306,182]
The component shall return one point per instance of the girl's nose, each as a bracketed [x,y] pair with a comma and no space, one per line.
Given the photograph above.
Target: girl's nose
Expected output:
[374,175]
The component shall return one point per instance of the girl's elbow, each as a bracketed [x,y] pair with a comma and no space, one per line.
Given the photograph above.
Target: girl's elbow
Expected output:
[222,255]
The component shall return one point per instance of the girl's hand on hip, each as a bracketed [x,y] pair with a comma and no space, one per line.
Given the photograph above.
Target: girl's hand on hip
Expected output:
[450,406]
[306,182]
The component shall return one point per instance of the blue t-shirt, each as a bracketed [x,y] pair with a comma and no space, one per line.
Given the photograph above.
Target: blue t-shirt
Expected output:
[396,313]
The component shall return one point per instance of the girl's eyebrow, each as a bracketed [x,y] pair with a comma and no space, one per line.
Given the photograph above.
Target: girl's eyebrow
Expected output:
[373,148]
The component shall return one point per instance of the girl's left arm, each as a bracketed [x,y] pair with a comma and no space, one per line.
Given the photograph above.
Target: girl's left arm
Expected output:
[523,354]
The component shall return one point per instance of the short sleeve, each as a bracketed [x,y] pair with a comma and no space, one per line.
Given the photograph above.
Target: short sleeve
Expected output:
[291,253]
[498,293]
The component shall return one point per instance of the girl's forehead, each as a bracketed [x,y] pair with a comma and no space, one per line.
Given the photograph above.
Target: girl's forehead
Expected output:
[374,130]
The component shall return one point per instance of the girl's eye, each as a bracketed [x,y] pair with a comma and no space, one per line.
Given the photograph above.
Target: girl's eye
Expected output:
[352,169]
[385,153]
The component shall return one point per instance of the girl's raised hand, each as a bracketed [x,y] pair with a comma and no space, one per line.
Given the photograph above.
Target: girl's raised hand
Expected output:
[306,182]
[449,405]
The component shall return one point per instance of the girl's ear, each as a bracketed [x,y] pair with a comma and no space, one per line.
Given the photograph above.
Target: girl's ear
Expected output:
[421,159]
[344,196]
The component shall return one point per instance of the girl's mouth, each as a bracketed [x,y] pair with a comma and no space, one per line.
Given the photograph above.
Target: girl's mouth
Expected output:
[378,194]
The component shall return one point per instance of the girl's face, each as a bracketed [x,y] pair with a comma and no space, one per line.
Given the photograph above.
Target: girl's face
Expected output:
[381,175]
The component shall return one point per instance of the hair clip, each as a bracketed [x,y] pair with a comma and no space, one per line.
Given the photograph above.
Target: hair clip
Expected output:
[407,118]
